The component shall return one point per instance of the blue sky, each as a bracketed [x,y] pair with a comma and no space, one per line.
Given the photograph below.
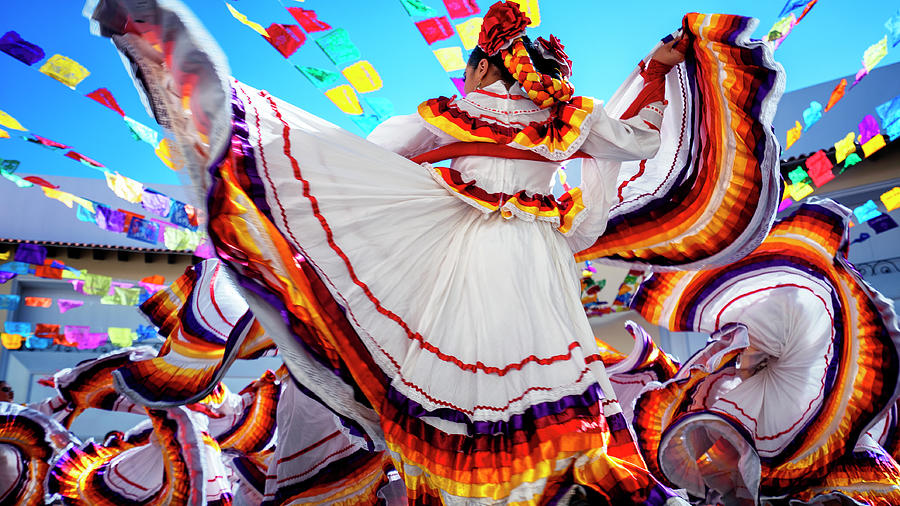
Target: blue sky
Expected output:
[605,40]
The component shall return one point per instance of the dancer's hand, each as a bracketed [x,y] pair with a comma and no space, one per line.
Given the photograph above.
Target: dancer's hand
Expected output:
[670,53]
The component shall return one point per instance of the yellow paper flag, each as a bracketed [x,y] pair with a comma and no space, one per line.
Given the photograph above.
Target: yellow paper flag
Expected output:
[65,70]
[468,32]
[258,28]
[800,190]
[363,76]
[450,58]
[345,98]
[64,197]
[793,134]
[872,145]
[4,134]
[168,156]
[531,9]
[844,147]
[875,53]
[891,198]
[5,255]
[10,122]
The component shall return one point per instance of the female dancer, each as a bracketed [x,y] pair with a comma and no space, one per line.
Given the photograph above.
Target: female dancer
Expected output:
[436,309]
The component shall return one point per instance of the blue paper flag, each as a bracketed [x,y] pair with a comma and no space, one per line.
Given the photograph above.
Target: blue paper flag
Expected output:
[366,122]
[16,267]
[37,343]
[146,332]
[143,230]
[889,112]
[21,328]
[180,216]
[20,49]
[893,29]
[882,223]
[382,107]
[867,211]
[792,5]
[83,214]
[338,47]
[9,302]
[812,114]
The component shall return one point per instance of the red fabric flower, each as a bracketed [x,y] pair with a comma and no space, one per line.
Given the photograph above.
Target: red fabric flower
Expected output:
[502,23]
[555,50]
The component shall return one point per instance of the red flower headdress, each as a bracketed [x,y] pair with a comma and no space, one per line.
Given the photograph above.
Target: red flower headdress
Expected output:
[502,30]
[554,50]
[503,23]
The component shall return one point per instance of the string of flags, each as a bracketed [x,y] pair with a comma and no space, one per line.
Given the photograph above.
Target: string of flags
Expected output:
[871,57]
[71,73]
[337,45]
[788,20]
[178,231]
[32,259]
[123,187]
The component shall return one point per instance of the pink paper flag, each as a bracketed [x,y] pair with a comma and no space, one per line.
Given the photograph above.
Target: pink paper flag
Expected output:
[93,340]
[786,203]
[460,84]
[67,304]
[151,287]
[78,285]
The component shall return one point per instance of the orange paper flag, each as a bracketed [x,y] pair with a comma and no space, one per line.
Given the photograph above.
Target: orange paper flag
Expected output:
[837,94]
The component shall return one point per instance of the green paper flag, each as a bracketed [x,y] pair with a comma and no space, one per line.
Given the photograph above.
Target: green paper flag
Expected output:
[874,54]
[798,175]
[121,336]
[338,47]
[96,284]
[8,166]
[142,132]
[417,8]
[852,159]
[320,78]
[21,183]
[122,297]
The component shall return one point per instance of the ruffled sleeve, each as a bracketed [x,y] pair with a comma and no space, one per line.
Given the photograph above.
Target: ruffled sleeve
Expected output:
[407,136]
[634,136]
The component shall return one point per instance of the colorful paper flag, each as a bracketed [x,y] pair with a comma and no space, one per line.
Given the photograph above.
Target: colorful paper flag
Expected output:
[31,254]
[382,107]
[874,54]
[308,20]
[532,9]
[41,182]
[345,99]
[64,70]
[320,78]
[258,28]
[6,276]
[844,147]
[793,134]
[889,112]
[792,5]
[96,284]
[338,47]
[435,29]
[125,188]
[9,302]
[450,58]
[461,8]
[873,145]
[17,47]
[142,132]
[868,128]
[11,341]
[121,336]
[892,25]
[10,122]
[417,8]
[781,28]
[866,211]
[468,32]
[143,230]
[786,203]
[37,343]
[8,166]
[366,122]
[812,114]
[852,159]
[21,183]
[122,296]
[46,330]
[891,198]
[20,328]
[68,304]
[819,167]
[285,38]
[168,156]
[799,191]
[882,223]
[460,85]
[83,159]
[363,76]
[105,97]
[44,142]
[836,94]
[4,134]
[84,214]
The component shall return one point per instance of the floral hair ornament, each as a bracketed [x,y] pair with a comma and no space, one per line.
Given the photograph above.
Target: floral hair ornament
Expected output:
[503,23]
[554,50]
